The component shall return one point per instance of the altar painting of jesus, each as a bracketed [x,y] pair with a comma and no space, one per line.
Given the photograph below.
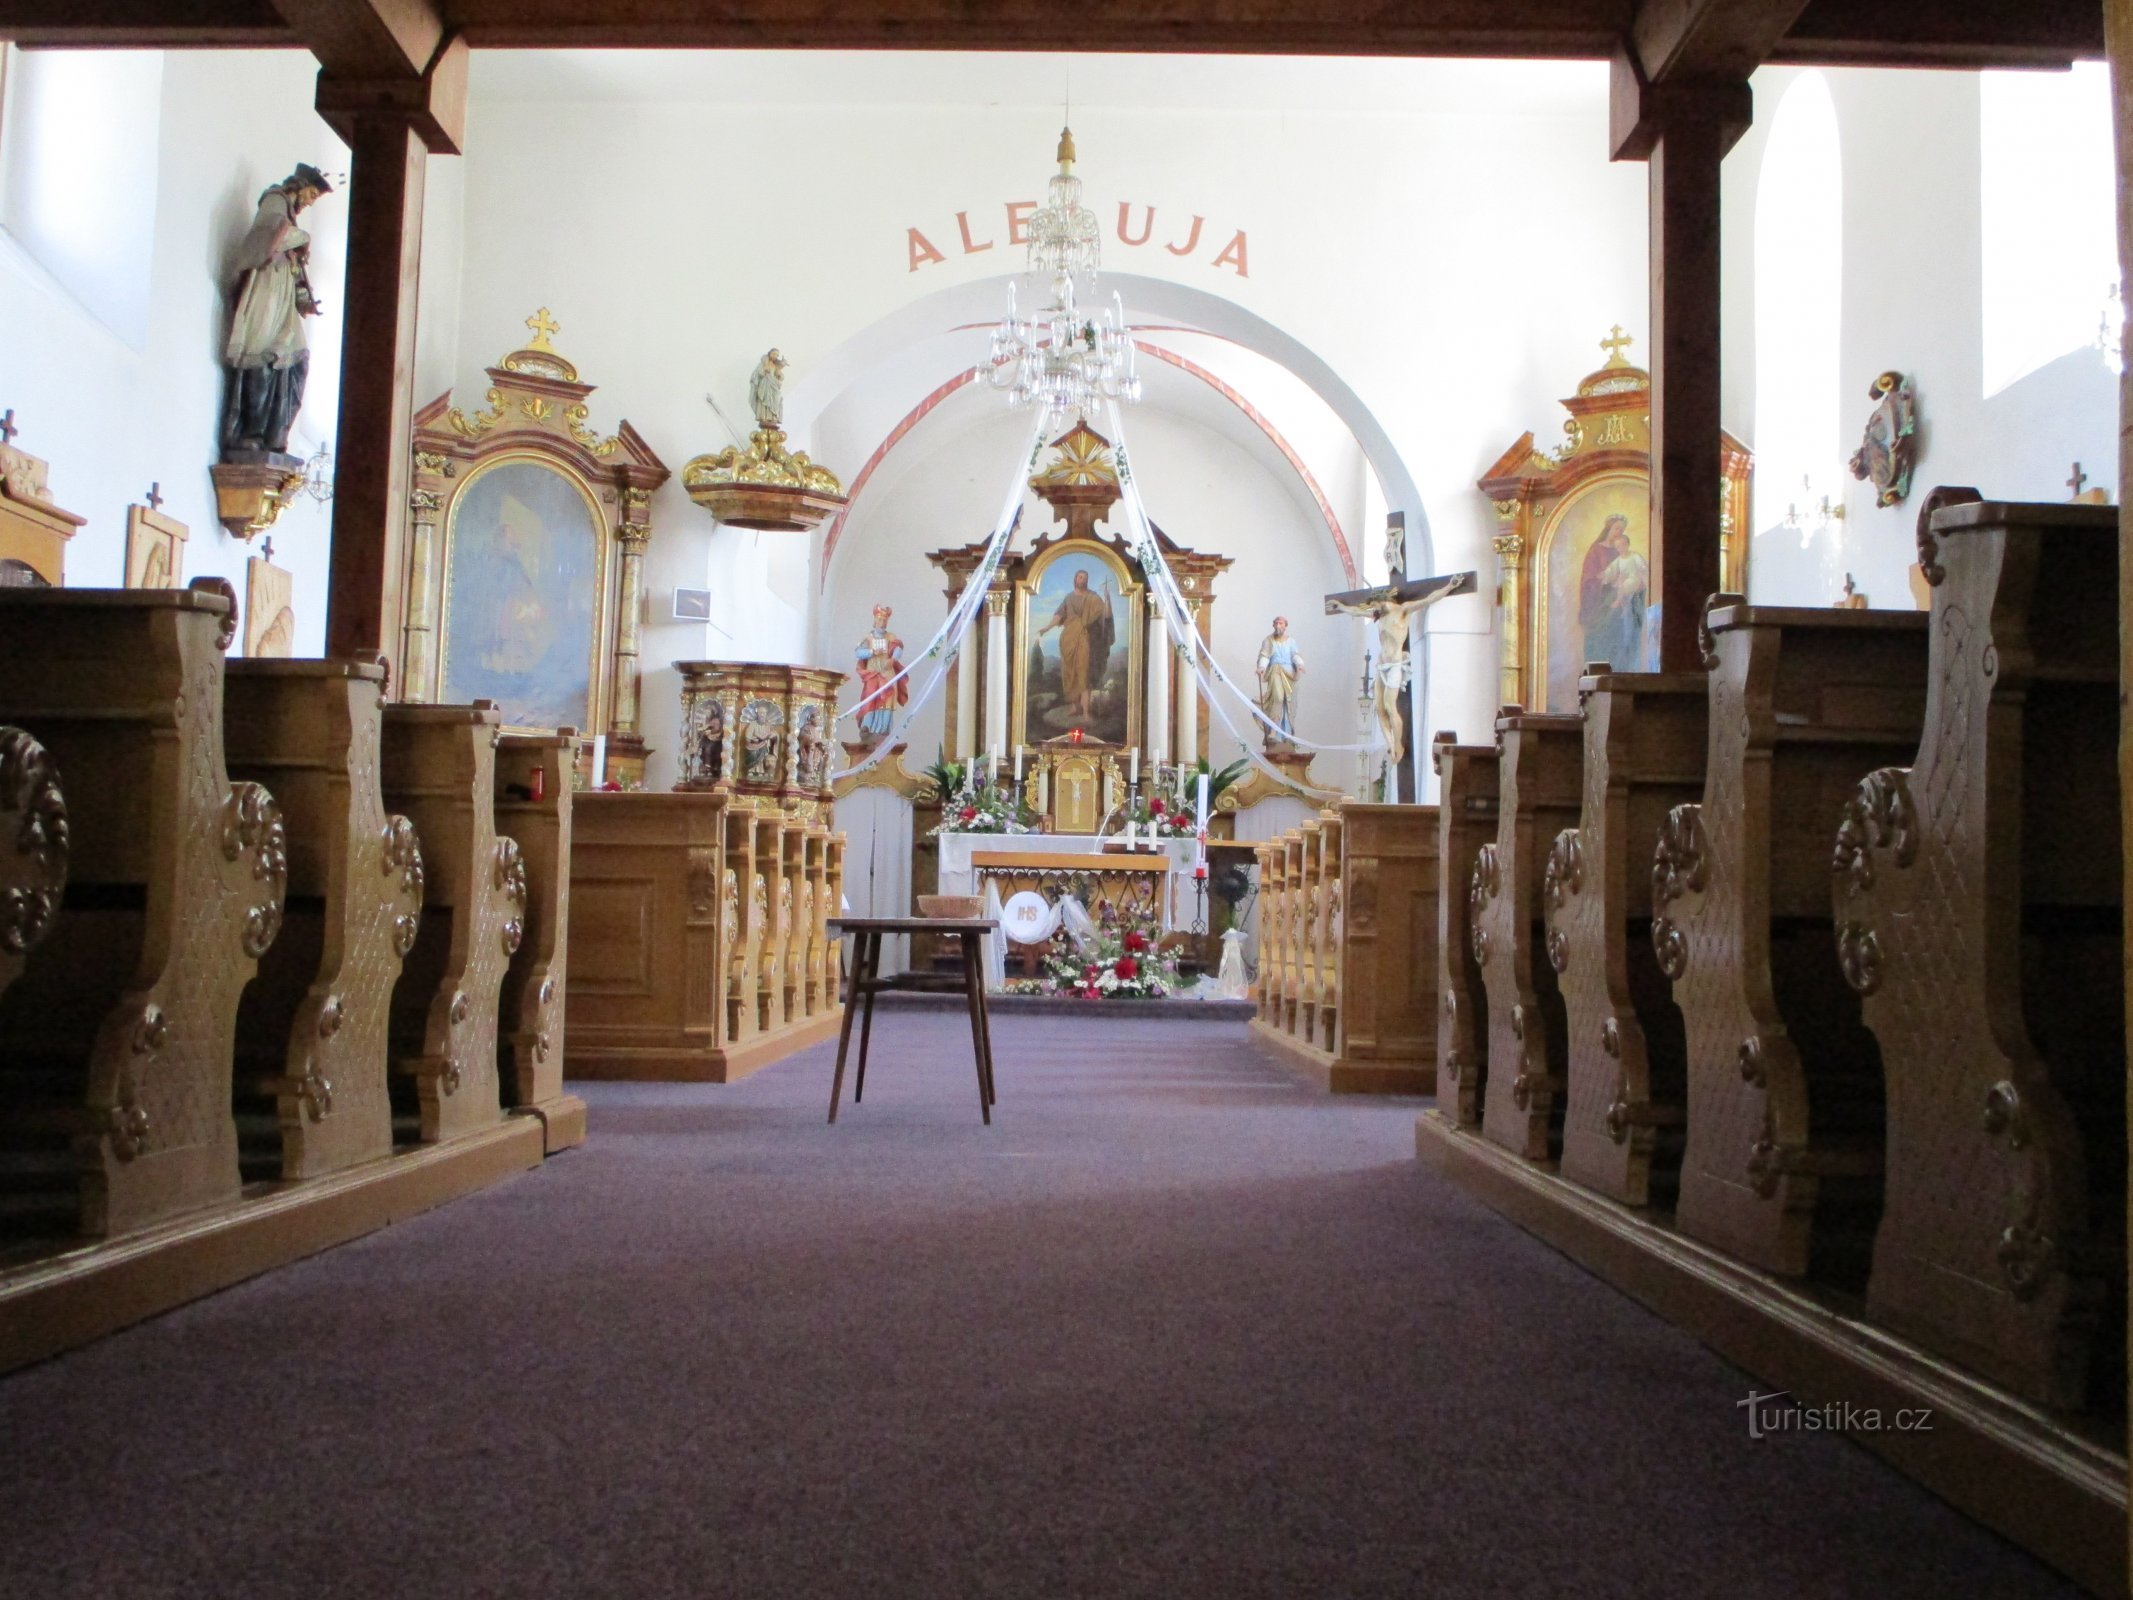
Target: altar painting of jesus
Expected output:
[1597,574]
[523,573]
[1078,665]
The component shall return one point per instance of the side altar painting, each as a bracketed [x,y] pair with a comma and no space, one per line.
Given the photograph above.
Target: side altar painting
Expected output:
[525,562]
[1573,540]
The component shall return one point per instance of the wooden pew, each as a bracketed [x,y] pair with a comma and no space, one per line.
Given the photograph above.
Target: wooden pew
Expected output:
[534,803]
[311,1085]
[1467,804]
[116,1040]
[1645,737]
[1978,903]
[33,863]
[1782,1162]
[1267,856]
[439,766]
[1537,796]
[1321,934]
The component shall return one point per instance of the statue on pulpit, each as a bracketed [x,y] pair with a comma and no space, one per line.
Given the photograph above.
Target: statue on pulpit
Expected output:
[267,353]
[766,391]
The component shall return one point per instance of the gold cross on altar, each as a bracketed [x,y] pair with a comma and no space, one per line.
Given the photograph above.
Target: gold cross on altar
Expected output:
[543,325]
[1616,342]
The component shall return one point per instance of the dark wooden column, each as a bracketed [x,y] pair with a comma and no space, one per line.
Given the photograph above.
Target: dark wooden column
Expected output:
[1683,131]
[392,125]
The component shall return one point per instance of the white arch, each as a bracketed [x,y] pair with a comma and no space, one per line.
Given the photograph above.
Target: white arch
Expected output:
[1148,300]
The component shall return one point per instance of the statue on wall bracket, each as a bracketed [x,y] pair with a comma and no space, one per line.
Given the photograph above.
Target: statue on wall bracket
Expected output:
[267,357]
[1889,450]
[764,485]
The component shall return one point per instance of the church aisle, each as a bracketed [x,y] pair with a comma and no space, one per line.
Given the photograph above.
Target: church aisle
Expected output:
[1174,1326]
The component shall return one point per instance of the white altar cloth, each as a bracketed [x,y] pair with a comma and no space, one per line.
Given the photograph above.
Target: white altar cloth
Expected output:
[957,877]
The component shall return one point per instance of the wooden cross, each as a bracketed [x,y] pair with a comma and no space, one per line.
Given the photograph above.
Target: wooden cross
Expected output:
[1616,342]
[2074,483]
[8,430]
[542,325]
[154,496]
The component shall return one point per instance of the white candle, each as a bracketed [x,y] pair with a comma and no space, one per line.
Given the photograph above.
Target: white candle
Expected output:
[1018,765]
[1133,772]
[599,759]
[1129,833]
[1203,803]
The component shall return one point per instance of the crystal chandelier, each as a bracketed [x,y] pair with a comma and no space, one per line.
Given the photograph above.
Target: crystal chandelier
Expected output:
[1064,358]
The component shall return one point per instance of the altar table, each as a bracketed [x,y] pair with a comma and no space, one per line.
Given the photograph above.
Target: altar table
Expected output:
[963,872]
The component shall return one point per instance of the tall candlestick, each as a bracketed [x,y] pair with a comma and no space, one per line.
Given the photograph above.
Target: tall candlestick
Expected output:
[1203,804]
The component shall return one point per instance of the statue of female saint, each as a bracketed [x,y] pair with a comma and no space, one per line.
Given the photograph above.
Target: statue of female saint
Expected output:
[266,352]
[1279,665]
[879,656]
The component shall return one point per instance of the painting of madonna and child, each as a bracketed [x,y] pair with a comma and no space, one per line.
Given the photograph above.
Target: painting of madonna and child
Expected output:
[1598,577]
[1077,671]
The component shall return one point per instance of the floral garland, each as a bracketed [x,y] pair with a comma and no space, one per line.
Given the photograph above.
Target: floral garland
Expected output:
[969,806]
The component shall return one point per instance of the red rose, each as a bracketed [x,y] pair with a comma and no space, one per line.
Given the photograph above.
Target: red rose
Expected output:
[1089,972]
[970,814]
[1127,967]
[1155,808]
[1136,940]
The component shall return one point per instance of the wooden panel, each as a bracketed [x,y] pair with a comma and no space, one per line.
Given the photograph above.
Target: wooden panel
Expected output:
[33,848]
[533,803]
[1784,1082]
[1978,906]
[1645,737]
[1467,780]
[1537,795]
[440,770]
[117,1038]
[1388,960]
[312,1037]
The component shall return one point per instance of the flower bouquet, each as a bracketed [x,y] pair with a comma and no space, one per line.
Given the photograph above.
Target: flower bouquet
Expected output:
[1120,962]
[969,806]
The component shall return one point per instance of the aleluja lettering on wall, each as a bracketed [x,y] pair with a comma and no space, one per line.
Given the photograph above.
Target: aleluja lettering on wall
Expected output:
[1137,229]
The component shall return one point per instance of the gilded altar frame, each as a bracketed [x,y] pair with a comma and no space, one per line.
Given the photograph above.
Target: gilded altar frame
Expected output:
[536,413]
[1604,462]
[1130,590]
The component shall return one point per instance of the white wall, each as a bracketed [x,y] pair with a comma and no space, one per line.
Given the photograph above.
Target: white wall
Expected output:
[112,411]
[1912,301]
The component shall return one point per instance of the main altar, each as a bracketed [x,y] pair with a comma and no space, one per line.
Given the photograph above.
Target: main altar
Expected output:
[1152,881]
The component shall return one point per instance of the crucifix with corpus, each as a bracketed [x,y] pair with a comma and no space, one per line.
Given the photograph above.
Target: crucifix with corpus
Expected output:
[1393,609]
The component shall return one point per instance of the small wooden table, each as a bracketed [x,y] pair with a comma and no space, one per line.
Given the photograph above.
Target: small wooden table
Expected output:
[865,983]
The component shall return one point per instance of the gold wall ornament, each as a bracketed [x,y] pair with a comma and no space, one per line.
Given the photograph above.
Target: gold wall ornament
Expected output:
[251,495]
[764,485]
[481,422]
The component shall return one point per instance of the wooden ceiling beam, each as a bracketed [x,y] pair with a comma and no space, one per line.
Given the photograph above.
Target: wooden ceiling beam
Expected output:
[1724,40]
[367,39]
[1951,33]
[144,24]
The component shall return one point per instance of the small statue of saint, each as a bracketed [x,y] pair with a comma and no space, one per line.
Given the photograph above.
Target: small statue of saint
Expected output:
[267,353]
[766,391]
[810,750]
[1279,665]
[880,658]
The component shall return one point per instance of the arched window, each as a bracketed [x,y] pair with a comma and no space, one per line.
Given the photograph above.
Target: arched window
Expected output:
[1799,271]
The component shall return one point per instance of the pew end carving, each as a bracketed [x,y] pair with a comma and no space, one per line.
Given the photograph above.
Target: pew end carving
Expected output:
[1467,806]
[33,848]
[1978,905]
[311,1087]
[439,770]
[534,805]
[1644,749]
[115,1092]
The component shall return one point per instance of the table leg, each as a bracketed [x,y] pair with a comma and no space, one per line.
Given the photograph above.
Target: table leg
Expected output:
[974,994]
[985,1041]
[866,1020]
[855,948]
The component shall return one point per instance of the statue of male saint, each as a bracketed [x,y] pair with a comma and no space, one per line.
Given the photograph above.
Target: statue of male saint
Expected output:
[267,353]
[766,391]
[1279,665]
[1084,623]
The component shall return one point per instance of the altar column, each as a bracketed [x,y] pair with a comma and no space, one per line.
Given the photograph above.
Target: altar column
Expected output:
[1158,670]
[995,670]
[1189,698]
[966,695]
